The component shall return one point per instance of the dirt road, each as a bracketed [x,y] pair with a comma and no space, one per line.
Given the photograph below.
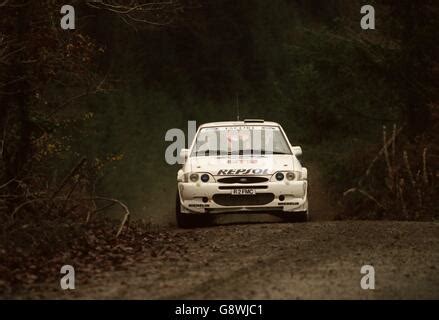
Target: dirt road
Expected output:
[316,260]
[276,260]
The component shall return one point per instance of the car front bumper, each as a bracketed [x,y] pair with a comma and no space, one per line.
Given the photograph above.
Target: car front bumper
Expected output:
[213,197]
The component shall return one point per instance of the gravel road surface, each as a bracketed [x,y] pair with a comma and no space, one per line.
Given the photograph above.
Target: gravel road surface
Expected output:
[315,260]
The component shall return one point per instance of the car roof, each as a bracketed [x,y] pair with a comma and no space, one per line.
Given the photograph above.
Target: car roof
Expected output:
[239,123]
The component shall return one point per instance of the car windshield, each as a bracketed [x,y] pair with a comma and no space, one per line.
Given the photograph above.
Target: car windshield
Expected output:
[240,140]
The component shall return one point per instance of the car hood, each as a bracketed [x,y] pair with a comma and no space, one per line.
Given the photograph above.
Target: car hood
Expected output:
[242,165]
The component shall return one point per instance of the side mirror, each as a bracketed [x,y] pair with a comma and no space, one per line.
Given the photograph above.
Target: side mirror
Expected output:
[297,150]
[183,155]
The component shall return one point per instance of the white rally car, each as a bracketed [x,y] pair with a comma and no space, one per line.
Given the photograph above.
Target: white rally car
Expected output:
[241,166]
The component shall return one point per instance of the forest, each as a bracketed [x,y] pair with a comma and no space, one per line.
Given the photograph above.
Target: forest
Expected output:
[84,112]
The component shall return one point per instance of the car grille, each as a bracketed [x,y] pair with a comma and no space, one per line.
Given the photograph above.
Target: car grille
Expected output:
[243,200]
[242,179]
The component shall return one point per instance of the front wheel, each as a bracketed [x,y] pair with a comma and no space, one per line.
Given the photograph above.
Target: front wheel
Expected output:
[302,216]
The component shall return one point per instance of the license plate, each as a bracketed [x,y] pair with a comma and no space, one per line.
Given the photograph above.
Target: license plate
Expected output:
[240,192]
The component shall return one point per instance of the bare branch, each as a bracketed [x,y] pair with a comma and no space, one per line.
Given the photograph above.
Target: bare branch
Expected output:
[124,207]
[364,193]
[157,13]
[4,3]
[6,184]
[424,166]
[386,145]
[67,178]
[114,201]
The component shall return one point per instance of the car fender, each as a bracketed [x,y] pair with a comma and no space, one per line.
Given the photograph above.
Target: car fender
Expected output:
[304,173]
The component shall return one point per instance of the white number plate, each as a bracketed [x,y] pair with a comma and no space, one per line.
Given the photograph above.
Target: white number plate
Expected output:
[237,192]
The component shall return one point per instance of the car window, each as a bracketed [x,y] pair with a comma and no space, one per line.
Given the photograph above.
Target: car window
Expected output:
[240,140]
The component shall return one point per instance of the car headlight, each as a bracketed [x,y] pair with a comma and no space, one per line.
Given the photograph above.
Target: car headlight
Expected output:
[279,176]
[193,177]
[290,175]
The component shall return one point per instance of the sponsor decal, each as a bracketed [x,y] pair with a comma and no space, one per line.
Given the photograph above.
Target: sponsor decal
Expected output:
[288,203]
[241,161]
[230,172]
[198,205]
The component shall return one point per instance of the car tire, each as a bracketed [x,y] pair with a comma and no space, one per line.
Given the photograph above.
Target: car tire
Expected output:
[301,216]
